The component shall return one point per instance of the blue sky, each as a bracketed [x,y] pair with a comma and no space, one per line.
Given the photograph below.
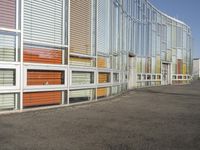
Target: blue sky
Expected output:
[186,10]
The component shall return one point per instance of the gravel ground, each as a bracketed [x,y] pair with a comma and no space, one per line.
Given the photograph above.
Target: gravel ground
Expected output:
[158,118]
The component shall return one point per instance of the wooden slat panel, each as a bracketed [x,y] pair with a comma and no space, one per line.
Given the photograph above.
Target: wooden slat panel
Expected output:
[44,77]
[80,31]
[101,62]
[41,98]
[103,77]
[47,56]
[101,92]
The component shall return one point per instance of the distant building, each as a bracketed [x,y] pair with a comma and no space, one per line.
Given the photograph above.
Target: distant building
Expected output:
[196,68]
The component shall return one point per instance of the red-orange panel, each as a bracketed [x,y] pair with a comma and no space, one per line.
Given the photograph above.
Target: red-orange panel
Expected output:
[41,98]
[47,56]
[35,77]
[179,66]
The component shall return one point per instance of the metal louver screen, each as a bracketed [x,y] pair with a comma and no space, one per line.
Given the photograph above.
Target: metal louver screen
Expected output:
[80,23]
[82,78]
[81,93]
[103,26]
[7,47]
[7,13]
[7,101]
[7,77]
[43,20]
[115,89]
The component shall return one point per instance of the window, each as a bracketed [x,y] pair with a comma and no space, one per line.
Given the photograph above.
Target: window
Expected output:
[103,62]
[7,101]
[79,78]
[7,77]
[104,77]
[139,77]
[103,92]
[158,77]
[115,77]
[41,98]
[115,90]
[7,47]
[103,26]
[148,77]
[154,77]
[76,96]
[43,21]
[80,27]
[7,13]
[45,77]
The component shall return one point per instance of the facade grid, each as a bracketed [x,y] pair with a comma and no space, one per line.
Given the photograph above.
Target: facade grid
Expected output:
[62,52]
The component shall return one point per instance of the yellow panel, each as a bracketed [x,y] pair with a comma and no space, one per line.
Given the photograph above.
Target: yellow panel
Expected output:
[158,64]
[184,69]
[101,62]
[81,61]
[101,92]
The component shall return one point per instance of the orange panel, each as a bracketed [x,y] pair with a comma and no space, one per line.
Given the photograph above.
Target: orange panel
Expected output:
[179,66]
[46,56]
[103,77]
[44,77]
[80,59]
[80,28]
[101,62]
[41,98]
[101,92]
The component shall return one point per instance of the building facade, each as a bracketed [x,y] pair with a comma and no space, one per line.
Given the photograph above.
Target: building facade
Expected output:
[196,69]
[60,52]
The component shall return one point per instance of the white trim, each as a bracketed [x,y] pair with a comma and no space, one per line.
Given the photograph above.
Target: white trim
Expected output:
[82,55]
[22,57]
[9,30]
[43,43]
[87,86]
[45,67]
[4,89]
[83,71]
[68,53]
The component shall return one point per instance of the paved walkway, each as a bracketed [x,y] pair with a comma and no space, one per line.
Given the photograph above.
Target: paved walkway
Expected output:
[158,118]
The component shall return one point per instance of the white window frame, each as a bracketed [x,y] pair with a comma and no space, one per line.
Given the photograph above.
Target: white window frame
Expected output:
[16,87]
[39,88]
[82,86]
